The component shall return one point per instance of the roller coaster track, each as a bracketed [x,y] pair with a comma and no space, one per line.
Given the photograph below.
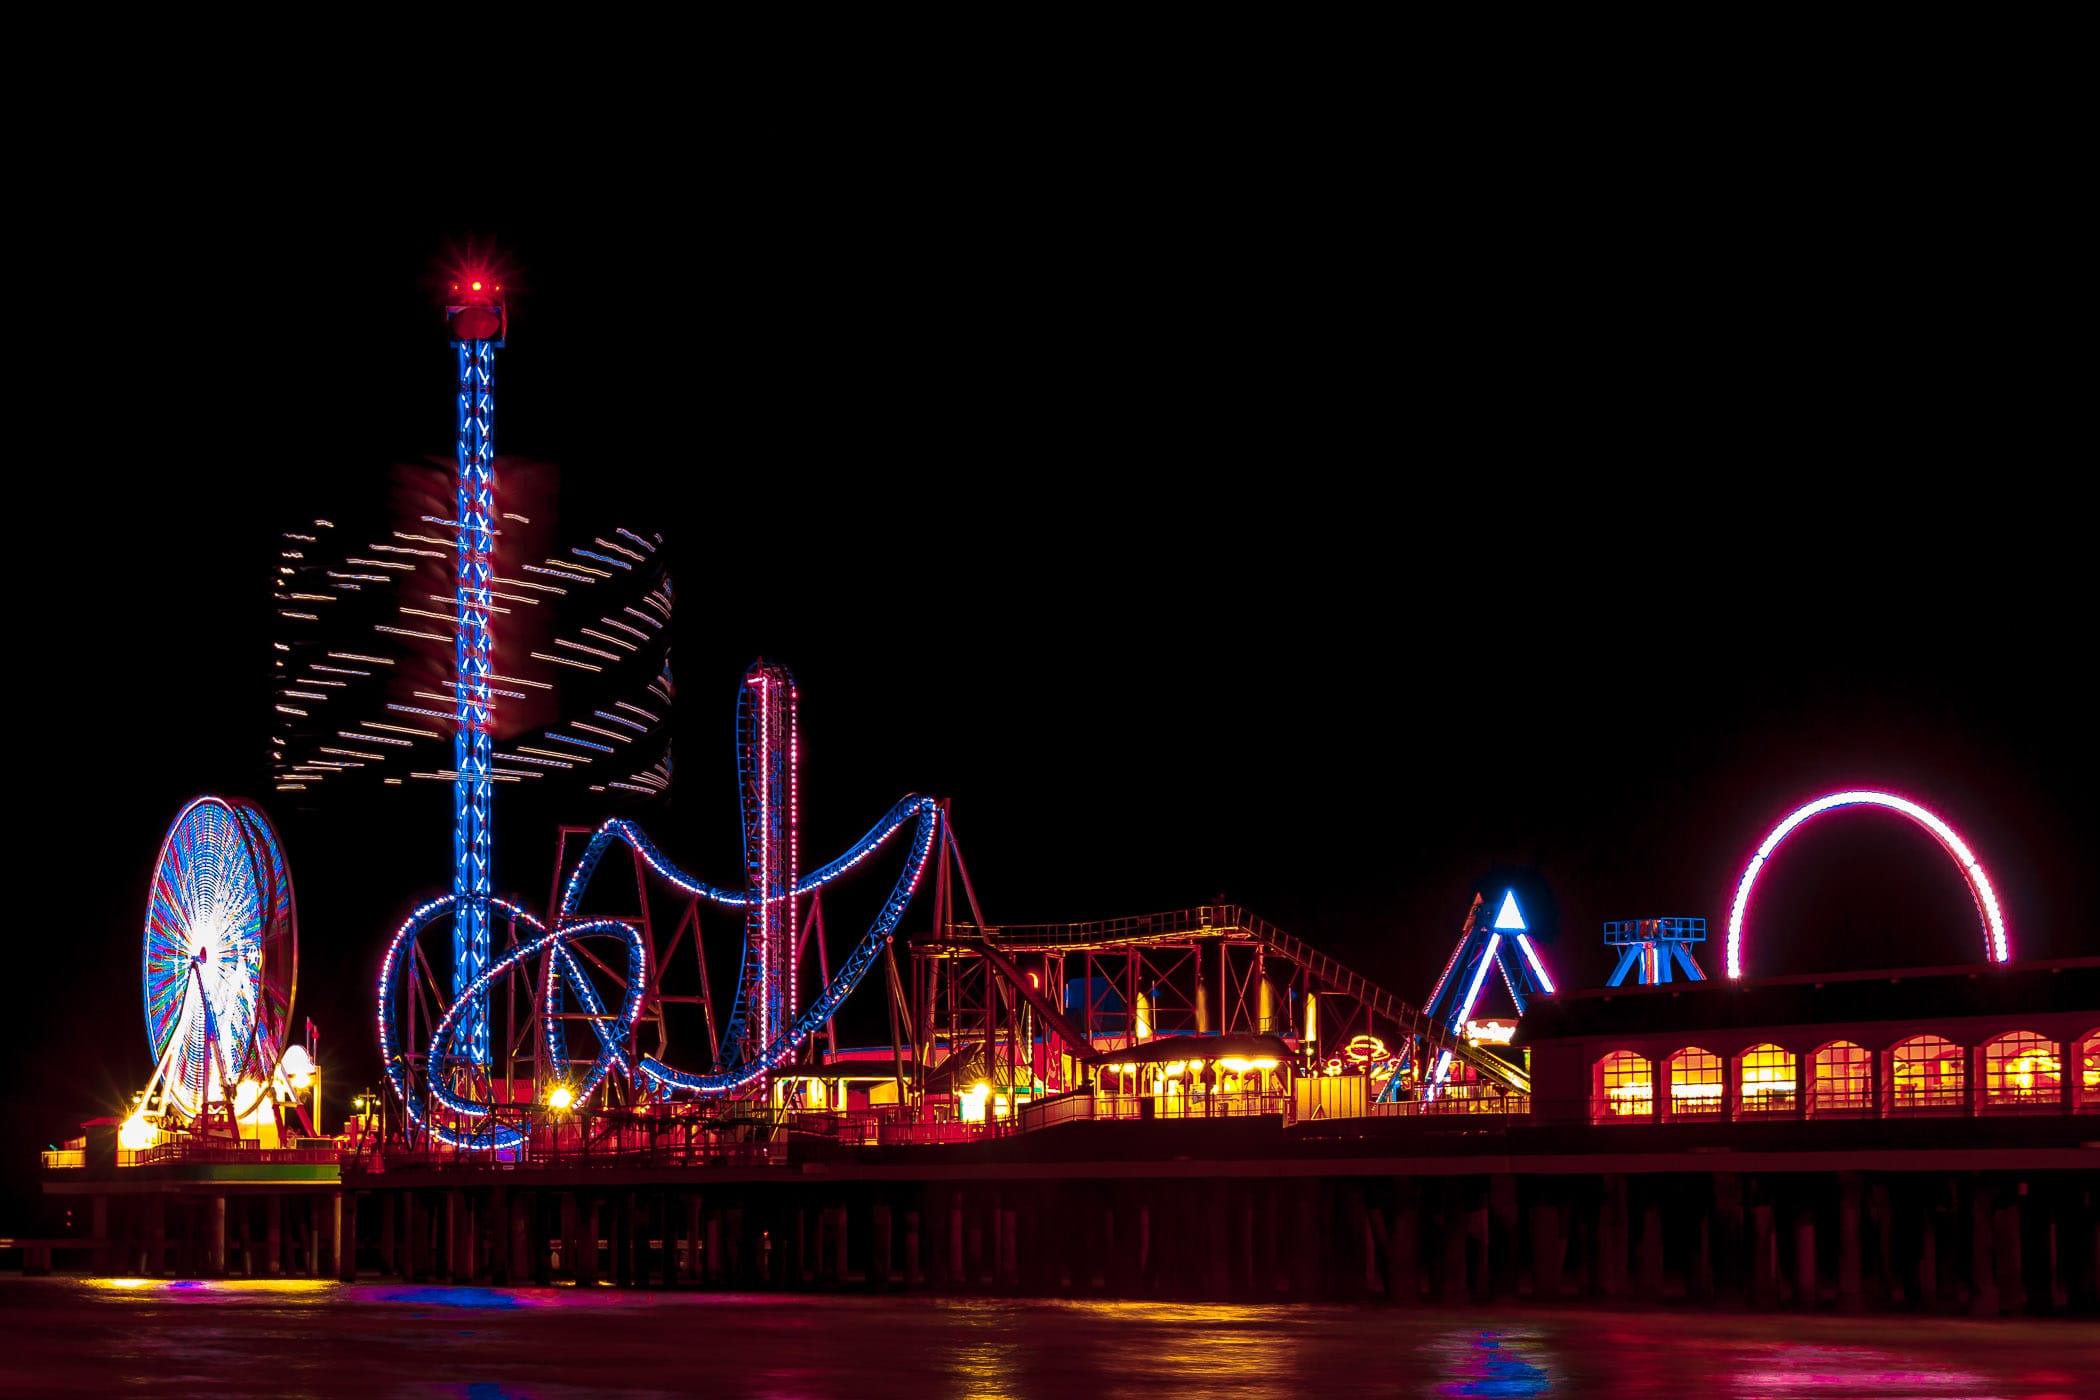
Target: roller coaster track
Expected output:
[1231,921]
[1052,1014]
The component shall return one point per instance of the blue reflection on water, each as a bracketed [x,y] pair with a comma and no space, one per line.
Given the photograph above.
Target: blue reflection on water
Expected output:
[451,1297]
[1491,1367]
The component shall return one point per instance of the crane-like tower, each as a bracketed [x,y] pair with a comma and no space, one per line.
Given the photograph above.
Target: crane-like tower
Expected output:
[477,321]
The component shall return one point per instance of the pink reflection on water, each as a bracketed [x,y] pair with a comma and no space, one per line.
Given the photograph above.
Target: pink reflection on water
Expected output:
[1796,1368]
[61,1339]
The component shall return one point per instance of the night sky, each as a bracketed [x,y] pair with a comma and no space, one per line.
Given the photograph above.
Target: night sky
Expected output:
[1242,527]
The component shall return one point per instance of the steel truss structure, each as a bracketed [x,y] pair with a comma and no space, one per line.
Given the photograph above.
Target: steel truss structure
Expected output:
[767,754]
[576,1021]
[473,740]
[1482,945]
[1022,1004]
[1649,948]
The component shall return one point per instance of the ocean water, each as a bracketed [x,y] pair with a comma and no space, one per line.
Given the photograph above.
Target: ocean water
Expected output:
[116,1337]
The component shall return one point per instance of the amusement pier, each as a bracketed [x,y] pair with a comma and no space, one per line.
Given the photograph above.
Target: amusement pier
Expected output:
[640,1077]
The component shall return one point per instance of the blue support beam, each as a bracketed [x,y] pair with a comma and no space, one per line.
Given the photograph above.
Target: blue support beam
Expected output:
[1654,951]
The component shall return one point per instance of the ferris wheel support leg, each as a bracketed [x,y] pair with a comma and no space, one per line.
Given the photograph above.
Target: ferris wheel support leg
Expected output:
[159,1081]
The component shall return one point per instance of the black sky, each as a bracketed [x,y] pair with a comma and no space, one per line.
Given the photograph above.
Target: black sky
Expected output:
[1321,525]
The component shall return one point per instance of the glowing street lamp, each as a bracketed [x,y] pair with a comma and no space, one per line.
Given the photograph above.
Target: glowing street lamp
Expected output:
[303,1075]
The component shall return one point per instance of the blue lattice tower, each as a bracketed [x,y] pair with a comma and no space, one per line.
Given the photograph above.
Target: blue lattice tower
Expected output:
[1649,948]
[476,319]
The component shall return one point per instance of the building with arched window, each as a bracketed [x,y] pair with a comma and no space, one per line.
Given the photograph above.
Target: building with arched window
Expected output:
[1841,1081]
[1624,1087]
[1935,1043]
[1696,1083]
[1927,1074]
[2022,1070]
[1767,1080]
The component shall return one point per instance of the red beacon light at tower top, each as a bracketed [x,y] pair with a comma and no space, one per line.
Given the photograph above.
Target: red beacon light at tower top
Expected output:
[474,308]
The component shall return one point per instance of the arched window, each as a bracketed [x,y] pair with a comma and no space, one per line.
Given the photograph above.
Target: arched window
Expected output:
[1926,1075]
[2085,1090]
[1843,1082]
[2022,1068]
[1625,1086]
[1768,1080]
[1695,1082]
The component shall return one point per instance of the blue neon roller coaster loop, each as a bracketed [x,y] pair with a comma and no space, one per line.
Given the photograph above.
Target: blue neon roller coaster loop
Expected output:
[767,1026]
[613,1031]
[751,1066]
[481,1130]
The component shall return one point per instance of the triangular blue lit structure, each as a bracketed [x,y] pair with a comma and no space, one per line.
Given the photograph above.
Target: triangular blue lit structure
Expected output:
[1506,945]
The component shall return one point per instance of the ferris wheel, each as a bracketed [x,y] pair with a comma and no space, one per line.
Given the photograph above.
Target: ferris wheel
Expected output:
[221,963]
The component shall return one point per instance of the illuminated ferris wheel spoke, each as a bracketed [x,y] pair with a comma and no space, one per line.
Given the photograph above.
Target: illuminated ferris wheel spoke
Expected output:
[220,949]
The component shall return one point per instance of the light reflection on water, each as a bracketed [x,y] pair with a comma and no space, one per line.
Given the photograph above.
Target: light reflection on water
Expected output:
[295,1337]
[1488,1362]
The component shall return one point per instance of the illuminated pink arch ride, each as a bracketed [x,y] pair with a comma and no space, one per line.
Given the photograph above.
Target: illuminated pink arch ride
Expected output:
[1994,941]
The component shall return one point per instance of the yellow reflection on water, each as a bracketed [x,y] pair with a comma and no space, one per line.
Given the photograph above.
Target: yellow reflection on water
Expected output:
[225,1285]
[1163,1348]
